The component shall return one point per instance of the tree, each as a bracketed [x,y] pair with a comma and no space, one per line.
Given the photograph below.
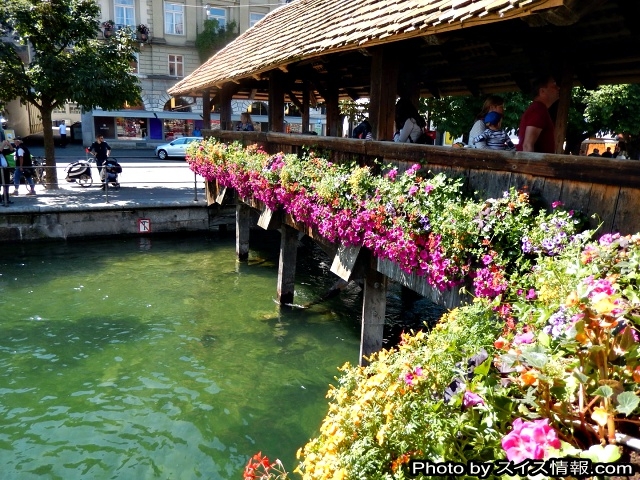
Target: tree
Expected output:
[214,37]
[66,62]
[615,109]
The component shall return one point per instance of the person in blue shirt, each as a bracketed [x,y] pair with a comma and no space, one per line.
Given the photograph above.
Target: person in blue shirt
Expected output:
[494,137]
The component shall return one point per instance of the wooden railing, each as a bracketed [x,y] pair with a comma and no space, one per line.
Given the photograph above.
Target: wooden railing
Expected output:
[608,188]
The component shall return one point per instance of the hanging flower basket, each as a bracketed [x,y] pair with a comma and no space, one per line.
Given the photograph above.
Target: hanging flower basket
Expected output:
[142,32]
[108,27]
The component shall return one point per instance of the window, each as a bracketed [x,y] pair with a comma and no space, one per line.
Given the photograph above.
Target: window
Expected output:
[74,108]
[176,66]
[255,18]
[219,14]
[173,19]
[125,13]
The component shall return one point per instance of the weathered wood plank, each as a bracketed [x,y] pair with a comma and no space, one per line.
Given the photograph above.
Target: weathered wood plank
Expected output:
[345,261]
[602,205]
[211,192]
[489,184]
[627,211]
[221,193]
[449,298]
[270,220]
[551,191]
[576,194]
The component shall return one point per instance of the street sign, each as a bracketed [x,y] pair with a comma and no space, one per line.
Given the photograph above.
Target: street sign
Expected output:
[144,225]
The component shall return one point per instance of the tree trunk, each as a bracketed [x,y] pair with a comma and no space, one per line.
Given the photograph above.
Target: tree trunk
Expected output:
[51,173]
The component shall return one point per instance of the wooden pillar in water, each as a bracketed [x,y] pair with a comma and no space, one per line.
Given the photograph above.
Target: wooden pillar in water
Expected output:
[243,221]
[374,307]
[287,264]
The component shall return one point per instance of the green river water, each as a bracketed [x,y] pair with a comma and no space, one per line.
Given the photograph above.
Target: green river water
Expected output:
[161,358]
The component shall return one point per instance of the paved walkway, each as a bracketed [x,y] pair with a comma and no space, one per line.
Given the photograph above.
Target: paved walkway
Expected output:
[145,181]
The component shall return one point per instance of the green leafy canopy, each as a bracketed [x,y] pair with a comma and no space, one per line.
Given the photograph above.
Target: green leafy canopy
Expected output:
[50,55]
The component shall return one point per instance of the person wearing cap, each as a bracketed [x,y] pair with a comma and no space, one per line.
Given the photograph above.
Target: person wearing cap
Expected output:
[494,137]
[493,103]
[23,168]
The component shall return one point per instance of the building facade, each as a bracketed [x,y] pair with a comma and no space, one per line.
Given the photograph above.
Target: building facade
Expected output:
[167,54]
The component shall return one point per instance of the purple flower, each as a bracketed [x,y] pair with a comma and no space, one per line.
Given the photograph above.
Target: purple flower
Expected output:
[470,399]
[556,204]
[413,190]
[428,188]
[531,294]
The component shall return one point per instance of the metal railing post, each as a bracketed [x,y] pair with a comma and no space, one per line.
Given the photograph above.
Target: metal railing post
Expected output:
[195,187]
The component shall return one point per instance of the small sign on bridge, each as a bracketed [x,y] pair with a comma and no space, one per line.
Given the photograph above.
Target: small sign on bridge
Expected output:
[144,225]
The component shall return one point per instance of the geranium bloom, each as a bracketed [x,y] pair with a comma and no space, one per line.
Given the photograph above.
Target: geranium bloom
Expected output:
[530,440]
[525,337]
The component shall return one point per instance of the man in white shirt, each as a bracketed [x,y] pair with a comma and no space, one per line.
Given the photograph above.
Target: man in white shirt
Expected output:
[63,134]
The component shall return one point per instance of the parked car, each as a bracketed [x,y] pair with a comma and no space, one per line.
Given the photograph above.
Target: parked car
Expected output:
[175,148]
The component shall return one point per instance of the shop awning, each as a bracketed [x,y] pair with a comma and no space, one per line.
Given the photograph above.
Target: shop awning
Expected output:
[124,113]
[178,115]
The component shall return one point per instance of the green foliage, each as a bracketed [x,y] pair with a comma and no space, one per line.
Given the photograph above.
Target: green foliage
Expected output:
[214,37]
[67,62]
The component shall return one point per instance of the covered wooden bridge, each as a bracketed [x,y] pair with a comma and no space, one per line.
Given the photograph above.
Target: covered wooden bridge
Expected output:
[321,51]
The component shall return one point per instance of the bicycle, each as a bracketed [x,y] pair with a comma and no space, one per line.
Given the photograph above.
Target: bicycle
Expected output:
[37,169]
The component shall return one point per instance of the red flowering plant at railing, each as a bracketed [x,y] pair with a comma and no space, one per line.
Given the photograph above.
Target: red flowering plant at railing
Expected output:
[261,468]
[425,223]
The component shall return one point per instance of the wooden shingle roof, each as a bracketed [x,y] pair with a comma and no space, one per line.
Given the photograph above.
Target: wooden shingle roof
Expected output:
[308,29]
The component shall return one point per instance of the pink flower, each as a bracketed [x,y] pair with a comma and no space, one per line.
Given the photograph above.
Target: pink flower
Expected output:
[557,204]
[531,294]
[526,337]
[428,188]
[411,378]
[529,440]
[470,399]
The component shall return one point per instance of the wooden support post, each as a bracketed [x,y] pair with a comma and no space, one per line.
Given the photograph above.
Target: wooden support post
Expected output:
[226,94]
[206,109]
[562,116]
[373,311]
[276,101]
[287,264]
[243,221]
[305,106]
[384,83]
[333,112]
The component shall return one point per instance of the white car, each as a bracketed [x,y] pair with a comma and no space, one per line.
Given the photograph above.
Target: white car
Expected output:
[175,148]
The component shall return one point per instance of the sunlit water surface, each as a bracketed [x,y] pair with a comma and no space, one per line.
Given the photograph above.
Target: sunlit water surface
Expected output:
[161,358]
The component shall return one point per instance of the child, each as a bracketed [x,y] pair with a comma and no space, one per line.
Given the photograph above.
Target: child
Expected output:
[494,137]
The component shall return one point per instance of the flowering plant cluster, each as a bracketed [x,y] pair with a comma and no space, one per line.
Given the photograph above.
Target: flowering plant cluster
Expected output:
[544,363]
[425,223]
[259,467]
[564,382]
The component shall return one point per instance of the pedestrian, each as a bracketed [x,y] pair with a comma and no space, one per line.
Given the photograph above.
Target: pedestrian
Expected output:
[409,123]
[5,177]
[494,137]
[537,130]
[101,151]
[245,125]
[62,128]
[24,168]
[595,153]
[493,103]
[608,153]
